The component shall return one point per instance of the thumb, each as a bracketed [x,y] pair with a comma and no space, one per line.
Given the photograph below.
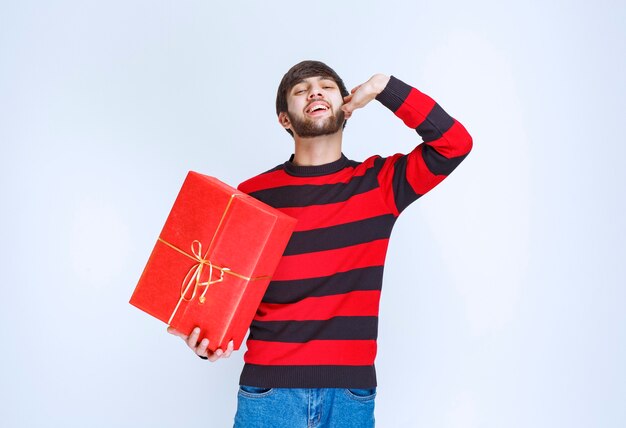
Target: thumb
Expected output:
[347,110]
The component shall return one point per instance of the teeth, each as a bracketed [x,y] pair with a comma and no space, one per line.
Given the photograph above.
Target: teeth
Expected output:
[319,107]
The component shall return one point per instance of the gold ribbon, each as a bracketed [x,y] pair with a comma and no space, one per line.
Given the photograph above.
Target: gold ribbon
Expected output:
[194,274]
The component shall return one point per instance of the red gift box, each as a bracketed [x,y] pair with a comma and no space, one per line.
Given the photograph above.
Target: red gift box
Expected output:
[213,261]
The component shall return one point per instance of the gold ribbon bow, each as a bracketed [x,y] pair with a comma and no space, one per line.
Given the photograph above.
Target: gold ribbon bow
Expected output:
[194,274]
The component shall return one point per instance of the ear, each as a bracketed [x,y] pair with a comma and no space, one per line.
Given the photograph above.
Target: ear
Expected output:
[284,121]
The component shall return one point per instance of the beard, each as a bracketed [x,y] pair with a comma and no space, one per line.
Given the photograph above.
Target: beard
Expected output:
[306,127]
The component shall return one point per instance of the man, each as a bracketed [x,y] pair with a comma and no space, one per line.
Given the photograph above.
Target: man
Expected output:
[312,344]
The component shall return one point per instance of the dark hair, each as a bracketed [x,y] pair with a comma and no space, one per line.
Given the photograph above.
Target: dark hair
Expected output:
[301,71]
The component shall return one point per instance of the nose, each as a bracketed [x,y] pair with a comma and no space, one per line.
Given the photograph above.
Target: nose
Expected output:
[315,92]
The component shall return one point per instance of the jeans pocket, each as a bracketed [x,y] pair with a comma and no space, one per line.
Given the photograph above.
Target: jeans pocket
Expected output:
[254,391]
[361,394]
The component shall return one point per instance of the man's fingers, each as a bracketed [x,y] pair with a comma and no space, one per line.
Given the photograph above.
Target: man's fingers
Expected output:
[347,109]
[229,350]
[201,349]
[215,355]
[192,340]
[351,103]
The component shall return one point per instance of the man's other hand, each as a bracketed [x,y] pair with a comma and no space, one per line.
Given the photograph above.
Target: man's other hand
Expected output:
[201,348]
[362,94]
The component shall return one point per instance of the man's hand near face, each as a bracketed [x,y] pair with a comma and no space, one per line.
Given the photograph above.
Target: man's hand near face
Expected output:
[200,349]
[361,95]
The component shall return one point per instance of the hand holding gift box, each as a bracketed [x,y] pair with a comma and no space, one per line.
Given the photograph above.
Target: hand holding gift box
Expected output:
[201,348]
[213,261]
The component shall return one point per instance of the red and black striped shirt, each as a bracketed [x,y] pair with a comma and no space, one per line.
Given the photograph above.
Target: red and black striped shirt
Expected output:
[318,322]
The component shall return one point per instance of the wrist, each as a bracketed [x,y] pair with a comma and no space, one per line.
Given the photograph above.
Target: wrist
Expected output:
[379,82]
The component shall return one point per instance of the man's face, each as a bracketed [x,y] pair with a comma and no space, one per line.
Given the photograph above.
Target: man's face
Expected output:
[314,108]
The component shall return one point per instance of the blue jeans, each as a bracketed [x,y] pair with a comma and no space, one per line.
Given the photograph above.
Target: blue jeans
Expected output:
[304,408]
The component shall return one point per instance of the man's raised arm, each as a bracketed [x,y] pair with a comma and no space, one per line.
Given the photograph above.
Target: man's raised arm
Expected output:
[445,141]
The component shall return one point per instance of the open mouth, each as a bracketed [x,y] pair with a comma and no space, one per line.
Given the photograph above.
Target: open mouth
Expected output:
[317,107]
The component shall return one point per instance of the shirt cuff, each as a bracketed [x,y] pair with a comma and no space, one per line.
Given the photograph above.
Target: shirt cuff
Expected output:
[394,94]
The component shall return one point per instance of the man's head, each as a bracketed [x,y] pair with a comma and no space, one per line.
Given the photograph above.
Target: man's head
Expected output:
[311,85]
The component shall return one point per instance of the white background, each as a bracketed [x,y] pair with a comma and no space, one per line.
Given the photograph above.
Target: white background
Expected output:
[504,287]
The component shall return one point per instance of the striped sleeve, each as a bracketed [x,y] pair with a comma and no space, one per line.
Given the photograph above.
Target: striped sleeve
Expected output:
[404,178]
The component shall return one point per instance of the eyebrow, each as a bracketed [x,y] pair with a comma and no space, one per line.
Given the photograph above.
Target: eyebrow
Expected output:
[303,81]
